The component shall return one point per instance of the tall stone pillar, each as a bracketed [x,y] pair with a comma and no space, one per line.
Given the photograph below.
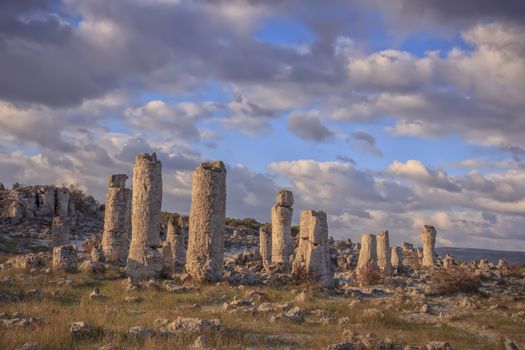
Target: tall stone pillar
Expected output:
[383,253]
[117,220]
[368,252]
[428,236]
[144,261]
[205,256]
[265,243]
[313,255]
[62,202]
[282,242]
[60,231]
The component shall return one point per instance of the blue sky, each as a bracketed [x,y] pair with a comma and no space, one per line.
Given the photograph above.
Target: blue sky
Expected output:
[385,114]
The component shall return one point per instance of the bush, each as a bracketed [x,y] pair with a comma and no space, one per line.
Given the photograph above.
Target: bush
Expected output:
[368,275]
[457,280]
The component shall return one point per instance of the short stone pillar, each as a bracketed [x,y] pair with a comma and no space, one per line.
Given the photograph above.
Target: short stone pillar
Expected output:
[428,236]
[313,252]
[144,261]
[60,231]
[367,252]
[205,256]
[265,243]
[117,221]
[65,258]
[173,249]
[396,259]
[282,242]
[383,253]
[449,262]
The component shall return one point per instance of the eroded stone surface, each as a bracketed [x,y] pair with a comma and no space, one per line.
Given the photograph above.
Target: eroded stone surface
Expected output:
[368,252]
[205,255]
[60,231]
[265,243]
[65,258]
[383,253]
[428,236]
[282,243]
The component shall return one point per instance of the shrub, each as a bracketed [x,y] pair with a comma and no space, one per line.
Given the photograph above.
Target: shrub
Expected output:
[368,275]
[457,280]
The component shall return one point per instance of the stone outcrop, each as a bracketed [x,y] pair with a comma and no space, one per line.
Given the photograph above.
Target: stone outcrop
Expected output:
[65,258]
[205,255]
[428,236]
[265,243]
[144,261]
[367,252]
[60,231]
[117,220]
[383,253]
[396,259]
[282,243]
[173,249]
[312,255]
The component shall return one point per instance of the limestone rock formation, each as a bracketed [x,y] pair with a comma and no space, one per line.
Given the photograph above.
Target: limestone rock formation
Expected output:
[60,231]
[265,243]
[383,253]
[282,243]
[65,258]
[368,252]
[173,249]
[205,256]
[428,236]
[312,254]
[396,259]
[117,220]
[144,261]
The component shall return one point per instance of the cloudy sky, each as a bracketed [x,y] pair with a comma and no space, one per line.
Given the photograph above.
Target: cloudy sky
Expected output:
[387,114]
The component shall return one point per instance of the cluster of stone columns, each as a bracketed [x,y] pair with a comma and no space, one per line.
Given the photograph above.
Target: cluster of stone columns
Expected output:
[313,252]
[205,256]
[282,243]
[144,260]
[117,220]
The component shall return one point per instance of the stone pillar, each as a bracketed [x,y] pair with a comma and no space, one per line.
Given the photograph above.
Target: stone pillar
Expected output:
[62,202]
[205,257]
[60,231]
[265,243]
[65,258]
[117,220]
[383,253]
[396,259]
[173,249]
[144,261]
[313,255]
[282,242]
[367,253]
[428,236]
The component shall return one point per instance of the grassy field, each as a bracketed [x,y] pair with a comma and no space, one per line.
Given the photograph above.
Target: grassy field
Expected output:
[112,317]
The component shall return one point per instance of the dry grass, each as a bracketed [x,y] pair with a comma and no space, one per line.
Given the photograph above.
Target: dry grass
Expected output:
[457,280]
[368,275]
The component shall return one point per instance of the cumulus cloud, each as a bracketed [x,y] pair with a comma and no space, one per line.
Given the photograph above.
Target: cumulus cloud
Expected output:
[309,128]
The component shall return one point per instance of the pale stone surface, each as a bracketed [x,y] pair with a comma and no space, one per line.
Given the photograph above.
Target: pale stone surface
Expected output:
[396,259]
[428,236]
[117,220]
[144,261]
[368,252]
[383,253]
[60,231]
[65,258]
[205,255]
[313,251]
[173,249]
[282,242]
[265,243]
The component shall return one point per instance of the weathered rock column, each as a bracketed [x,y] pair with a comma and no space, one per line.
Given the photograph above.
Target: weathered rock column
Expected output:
[205,256]
[65,258]
[60,231]
[173,249]
[428,236]
[144,261]
[312,254]
[383,253]
[368,252]
[62,202]
[117,220]
[282,242]
[265,243]
[396,259]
